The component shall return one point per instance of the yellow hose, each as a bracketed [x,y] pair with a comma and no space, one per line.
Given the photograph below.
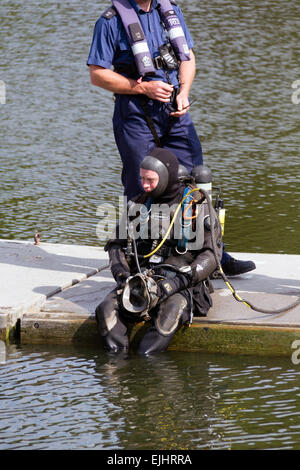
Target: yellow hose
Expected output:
[171,224]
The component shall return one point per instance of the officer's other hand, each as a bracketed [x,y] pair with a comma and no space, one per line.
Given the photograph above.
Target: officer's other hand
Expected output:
[183,105]
[157,90]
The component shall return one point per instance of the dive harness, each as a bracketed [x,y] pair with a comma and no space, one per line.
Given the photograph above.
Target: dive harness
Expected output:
[144,282]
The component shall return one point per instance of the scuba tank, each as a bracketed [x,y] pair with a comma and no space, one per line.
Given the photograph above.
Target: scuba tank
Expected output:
[203,180]
[182,172]
[219,207]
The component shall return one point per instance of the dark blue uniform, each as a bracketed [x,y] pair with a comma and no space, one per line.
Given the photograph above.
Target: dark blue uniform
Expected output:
[110,48]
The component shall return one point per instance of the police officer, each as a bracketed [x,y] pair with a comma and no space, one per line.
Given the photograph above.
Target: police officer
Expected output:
[151,104]
[178,273]
[134,138]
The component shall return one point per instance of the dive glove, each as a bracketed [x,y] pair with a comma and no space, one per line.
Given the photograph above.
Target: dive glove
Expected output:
[118,266]
[168,287]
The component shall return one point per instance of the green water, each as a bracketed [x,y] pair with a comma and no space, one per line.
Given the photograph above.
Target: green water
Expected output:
[58,163]
[58,160]
[56,397]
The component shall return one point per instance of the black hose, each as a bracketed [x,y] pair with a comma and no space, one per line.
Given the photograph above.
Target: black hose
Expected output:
[136,255]
[219,268]
[225,279]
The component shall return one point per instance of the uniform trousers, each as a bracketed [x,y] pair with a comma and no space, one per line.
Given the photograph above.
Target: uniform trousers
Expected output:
[135,140]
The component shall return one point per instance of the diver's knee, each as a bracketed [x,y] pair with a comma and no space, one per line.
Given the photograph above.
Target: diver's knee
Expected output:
[172,314]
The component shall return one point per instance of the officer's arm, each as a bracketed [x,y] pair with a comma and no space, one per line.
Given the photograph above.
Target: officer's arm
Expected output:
[117,83]
[186,74]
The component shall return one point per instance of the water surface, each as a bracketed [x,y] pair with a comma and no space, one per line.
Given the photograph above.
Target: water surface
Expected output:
[56,397]
[58,163]
[58,160]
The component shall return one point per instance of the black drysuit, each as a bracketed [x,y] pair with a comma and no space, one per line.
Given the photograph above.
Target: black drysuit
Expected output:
[180,294]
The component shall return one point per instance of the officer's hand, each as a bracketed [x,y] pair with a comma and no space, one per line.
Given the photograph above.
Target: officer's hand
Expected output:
[157,90]
[183,105]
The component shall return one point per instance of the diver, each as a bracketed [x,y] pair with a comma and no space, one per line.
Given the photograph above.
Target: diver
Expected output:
[162,262]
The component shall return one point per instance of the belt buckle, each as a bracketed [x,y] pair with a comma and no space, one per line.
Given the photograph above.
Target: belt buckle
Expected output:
[158,62]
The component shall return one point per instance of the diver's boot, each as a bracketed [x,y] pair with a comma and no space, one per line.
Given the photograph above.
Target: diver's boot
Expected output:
[234,267]
[153,342]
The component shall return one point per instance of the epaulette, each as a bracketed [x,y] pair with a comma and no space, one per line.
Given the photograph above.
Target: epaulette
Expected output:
[109,13]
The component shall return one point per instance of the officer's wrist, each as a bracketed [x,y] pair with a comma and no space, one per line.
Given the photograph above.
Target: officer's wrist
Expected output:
[139,87]
[184,89]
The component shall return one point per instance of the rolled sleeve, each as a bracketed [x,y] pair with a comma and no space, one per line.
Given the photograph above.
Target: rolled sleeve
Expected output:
[102,49]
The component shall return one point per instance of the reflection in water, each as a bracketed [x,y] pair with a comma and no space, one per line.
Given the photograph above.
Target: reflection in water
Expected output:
[58,157]
[59,397]
[160,409]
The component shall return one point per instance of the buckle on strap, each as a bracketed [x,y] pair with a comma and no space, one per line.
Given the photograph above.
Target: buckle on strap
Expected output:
[158,62]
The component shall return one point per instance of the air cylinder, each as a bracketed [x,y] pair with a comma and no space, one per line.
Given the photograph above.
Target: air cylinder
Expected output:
[203,178]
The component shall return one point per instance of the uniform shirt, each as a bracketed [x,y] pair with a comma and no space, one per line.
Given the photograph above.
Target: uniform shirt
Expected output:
[110,46]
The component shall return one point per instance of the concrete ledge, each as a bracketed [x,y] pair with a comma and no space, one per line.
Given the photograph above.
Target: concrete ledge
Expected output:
[51,292]
[200,336]
[30,274]
[240,339]
[5,322]
[58,328]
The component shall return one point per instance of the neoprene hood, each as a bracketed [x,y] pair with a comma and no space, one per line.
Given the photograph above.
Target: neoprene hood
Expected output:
[165,164]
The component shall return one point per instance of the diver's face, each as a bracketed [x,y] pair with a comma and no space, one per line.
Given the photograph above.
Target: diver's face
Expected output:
[149,180]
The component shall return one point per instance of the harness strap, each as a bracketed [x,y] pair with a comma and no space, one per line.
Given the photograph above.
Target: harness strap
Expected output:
[143,101]
[137,38]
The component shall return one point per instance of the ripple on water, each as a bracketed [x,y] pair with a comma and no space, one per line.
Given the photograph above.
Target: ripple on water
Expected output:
[62,397]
